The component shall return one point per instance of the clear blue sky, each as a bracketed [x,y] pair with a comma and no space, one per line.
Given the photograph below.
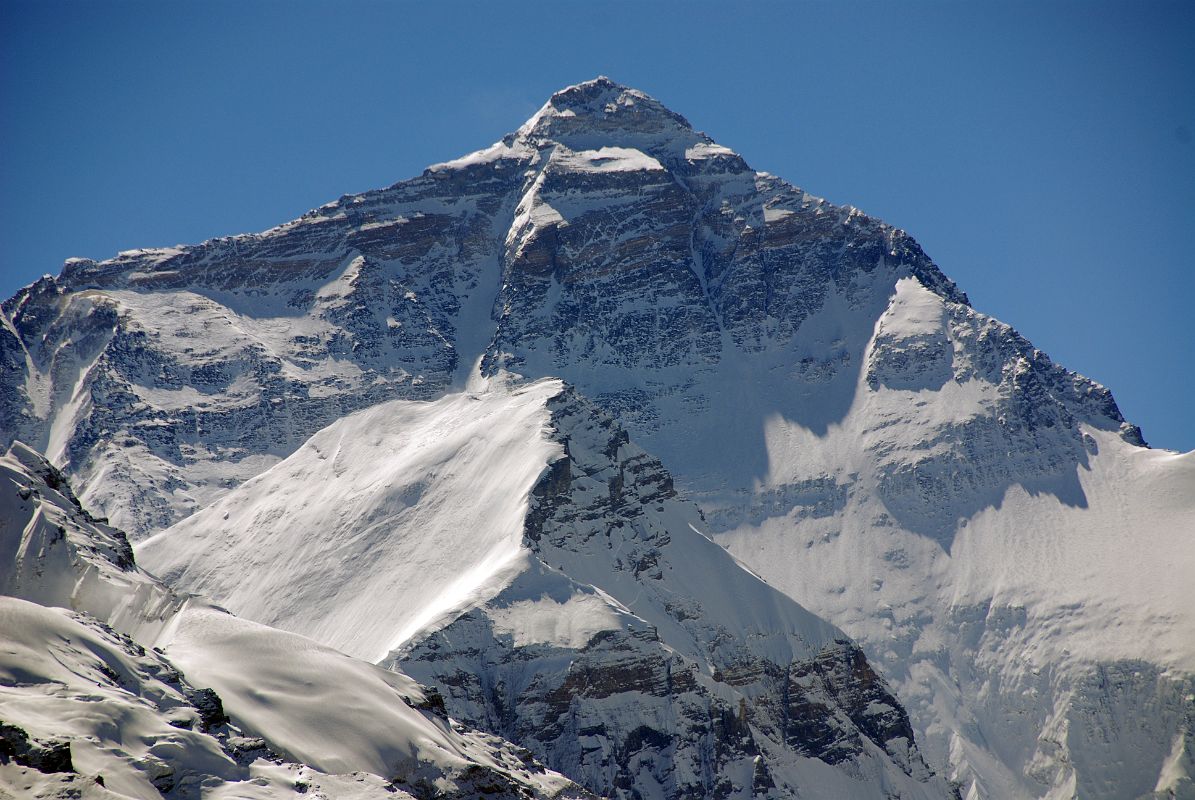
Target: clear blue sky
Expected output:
[1043,153]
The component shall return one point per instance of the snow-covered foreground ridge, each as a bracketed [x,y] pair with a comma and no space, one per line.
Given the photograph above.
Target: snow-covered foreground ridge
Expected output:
[981,520]
[112,685]
[510,546]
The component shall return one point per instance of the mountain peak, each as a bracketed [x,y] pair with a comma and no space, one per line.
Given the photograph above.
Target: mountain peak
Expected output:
[602,97]
[601,112]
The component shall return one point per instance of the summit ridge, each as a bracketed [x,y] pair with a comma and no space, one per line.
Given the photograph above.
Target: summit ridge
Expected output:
[601,111]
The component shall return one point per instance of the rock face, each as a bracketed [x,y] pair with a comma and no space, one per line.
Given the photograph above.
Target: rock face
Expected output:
[48,757]
[982,521]
[702,683]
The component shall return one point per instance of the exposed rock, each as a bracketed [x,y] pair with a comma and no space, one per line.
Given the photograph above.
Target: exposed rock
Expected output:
[662,700]
[42,756]
[211,710]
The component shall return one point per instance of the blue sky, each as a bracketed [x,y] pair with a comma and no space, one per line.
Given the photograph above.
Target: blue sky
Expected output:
[1042,153]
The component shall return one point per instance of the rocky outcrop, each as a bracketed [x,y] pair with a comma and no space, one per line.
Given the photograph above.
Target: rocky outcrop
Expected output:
[160,378]
[50,756]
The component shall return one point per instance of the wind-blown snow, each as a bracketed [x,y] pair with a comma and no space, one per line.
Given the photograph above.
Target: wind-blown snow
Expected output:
[707,150]
[495,152]
[913,311]
[140,721]
[54,553]
[569,623]
[411,513]
[377,486]
[1033,584]
[64,678]
[320,707]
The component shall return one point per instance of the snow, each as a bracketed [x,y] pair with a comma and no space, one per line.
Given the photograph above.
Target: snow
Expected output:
[63,676]
[605,159]
[997,555]
[52,554]
[581,116]
[569,623]
[421,510]
[1176,773]
[378,484]
[914,311]
[126,709]
[72,405]
[702,150]
[1066,558]
[318,706]
[1020,598]
[488,155]
[1063,578]
[335,293]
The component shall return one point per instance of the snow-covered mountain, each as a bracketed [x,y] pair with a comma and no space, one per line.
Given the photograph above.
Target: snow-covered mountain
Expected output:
[196,702]
[510,546]
[1008,553]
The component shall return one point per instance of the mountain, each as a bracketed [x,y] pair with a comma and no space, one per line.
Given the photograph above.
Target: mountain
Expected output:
[510,546]
[197,702]
[1007,552]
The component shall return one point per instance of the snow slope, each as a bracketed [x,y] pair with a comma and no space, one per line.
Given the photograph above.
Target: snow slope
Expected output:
[337,536]
[53,552]
[141,713]
[122,710]
[1058,566]
[341,715]
[536,547]
[302,716]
